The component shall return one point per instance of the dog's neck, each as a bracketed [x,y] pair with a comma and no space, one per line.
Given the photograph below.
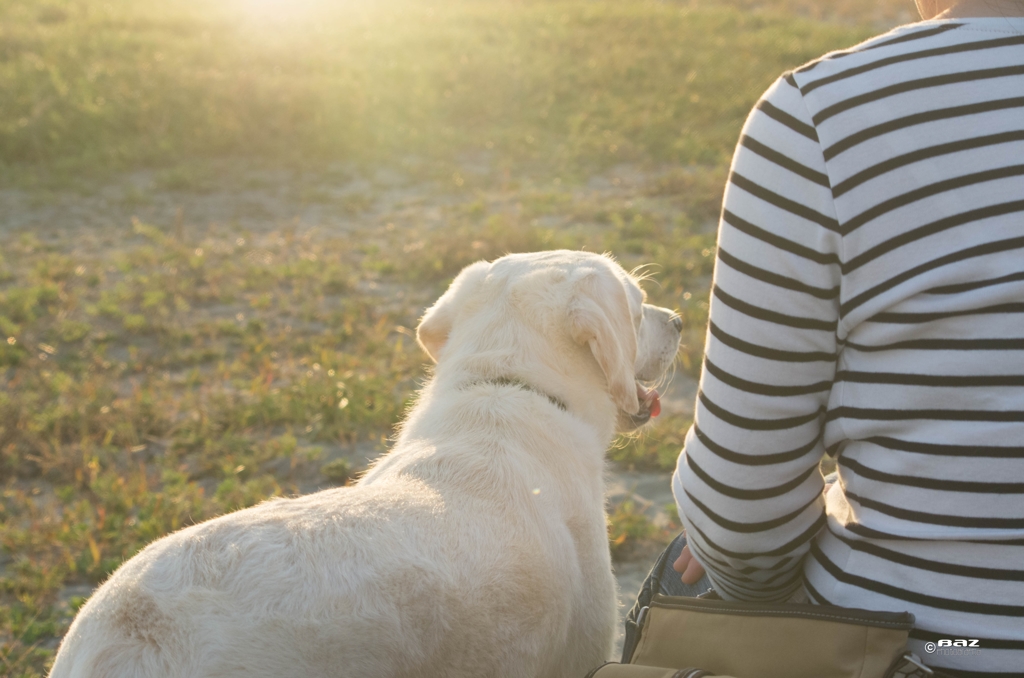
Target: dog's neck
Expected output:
[520,384]
[573,382]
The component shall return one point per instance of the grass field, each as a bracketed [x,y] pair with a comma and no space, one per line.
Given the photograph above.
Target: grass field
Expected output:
[180,338]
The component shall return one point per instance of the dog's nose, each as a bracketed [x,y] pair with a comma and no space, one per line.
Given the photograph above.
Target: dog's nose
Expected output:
[677,322]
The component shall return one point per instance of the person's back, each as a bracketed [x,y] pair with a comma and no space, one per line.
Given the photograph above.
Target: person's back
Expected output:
[869,301]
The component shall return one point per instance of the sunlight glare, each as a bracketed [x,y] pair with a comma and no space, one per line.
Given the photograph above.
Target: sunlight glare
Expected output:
[276,10]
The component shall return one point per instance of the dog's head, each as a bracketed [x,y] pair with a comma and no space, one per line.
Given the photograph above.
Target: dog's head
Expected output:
[564,322]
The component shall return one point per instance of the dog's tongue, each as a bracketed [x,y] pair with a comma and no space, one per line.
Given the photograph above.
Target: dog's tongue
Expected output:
[650,398]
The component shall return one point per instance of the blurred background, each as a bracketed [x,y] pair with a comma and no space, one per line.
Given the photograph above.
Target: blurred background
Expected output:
[221,219]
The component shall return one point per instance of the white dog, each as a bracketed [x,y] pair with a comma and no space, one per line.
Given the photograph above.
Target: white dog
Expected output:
[476,547]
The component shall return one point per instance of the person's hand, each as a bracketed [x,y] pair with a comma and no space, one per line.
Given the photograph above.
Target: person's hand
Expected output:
[688,566]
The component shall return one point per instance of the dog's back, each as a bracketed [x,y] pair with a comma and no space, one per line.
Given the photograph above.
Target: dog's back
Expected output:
[392,578]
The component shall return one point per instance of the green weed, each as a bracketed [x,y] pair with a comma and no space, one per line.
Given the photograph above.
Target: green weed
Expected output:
[559,88]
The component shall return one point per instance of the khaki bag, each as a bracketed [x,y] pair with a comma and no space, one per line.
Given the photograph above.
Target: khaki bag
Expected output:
[694,637]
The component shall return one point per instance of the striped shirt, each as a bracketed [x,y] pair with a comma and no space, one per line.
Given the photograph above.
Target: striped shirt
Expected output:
[868,303]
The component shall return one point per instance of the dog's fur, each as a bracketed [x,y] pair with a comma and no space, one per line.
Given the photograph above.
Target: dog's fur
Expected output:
[476,547]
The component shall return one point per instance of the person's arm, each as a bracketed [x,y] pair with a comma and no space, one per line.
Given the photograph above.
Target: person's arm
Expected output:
[747,483]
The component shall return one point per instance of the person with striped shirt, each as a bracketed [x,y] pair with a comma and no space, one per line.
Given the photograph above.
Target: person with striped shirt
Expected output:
[868,303]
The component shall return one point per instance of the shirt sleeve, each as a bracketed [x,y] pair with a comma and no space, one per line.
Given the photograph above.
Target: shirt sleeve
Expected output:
[747,483]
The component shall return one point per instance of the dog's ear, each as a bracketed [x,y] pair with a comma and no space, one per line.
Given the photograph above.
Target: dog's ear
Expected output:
[600,316]
[436,323]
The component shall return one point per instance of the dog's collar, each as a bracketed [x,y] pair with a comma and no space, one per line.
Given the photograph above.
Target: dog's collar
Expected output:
[519,383]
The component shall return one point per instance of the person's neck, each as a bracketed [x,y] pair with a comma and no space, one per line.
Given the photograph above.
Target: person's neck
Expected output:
[964,9]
